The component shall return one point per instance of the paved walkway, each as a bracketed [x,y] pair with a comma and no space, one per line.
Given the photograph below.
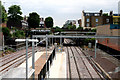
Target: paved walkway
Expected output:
[58,68]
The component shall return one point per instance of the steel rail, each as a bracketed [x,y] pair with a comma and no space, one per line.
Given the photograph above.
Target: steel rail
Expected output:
[63,36]
[97,67]
[78,32]
[14,63]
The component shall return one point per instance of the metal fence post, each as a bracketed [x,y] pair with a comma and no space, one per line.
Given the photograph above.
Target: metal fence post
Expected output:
[52,40]
[26,58]
[95,47]
[61,40]
[46,54]
[33,58]
[55,49]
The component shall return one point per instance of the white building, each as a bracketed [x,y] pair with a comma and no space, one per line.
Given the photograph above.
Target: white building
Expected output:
[42,23]
[77,24]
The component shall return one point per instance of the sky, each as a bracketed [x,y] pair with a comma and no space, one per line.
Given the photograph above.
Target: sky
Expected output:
[62,10]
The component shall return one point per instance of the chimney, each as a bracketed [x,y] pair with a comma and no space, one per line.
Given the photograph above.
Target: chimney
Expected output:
[101,12]
[25,18]
[111,13]
[83,13]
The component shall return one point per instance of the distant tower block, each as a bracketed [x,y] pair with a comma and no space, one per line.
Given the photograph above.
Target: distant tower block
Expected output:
[119,7]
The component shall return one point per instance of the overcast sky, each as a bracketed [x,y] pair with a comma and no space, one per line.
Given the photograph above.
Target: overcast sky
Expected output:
[62,10]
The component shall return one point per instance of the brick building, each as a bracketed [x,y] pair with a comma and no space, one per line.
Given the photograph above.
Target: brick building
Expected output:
[95,19]
[109,30]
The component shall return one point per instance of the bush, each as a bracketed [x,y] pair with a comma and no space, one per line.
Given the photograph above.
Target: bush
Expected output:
[89,40]
[71,27]
[80,28]
[19,34]
[6,32]
[93,30]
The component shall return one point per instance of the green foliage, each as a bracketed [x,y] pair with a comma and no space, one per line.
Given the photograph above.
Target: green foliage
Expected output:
[4,15]
[49,22]
[80,28]
[14,17]
[91,40]
[71,27]
[6,32]
[33,20]
[19,34]
[93,30]
[9,49]
[57,29]
[14,10]
[105,14]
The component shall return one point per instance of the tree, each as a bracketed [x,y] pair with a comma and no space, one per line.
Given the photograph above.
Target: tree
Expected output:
[49,22]
[6,32]
[71,27]
[14,18]
[57,29]
[105,14]
[19,34]
[4,15]
[33,20]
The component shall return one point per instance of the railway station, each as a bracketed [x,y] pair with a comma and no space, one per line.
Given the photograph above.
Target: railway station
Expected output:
[59,40]
[61,57]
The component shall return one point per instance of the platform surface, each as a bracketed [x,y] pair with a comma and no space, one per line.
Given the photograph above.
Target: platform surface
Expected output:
[58,68]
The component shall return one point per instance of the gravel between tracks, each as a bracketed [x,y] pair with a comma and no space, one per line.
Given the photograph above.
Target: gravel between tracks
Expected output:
[110,64]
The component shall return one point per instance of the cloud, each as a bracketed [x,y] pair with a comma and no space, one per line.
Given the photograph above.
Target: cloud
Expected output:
[62,10]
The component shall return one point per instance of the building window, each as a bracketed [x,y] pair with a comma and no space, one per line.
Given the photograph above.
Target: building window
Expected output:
[96,20]
[107,20]
[88,19]
[88,25]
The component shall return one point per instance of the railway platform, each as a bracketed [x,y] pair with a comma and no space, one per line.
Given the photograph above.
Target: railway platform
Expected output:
[58,69]
[40,62]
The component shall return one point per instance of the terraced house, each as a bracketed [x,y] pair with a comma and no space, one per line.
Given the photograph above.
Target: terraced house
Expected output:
[93,19]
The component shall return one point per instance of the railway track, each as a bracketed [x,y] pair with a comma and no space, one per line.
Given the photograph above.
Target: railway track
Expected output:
[13,60]
[79,67]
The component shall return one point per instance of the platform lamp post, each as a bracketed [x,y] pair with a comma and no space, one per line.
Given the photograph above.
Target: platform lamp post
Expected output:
[52,40]
[28,40]
[46,53]
[60,39]
[96,41]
